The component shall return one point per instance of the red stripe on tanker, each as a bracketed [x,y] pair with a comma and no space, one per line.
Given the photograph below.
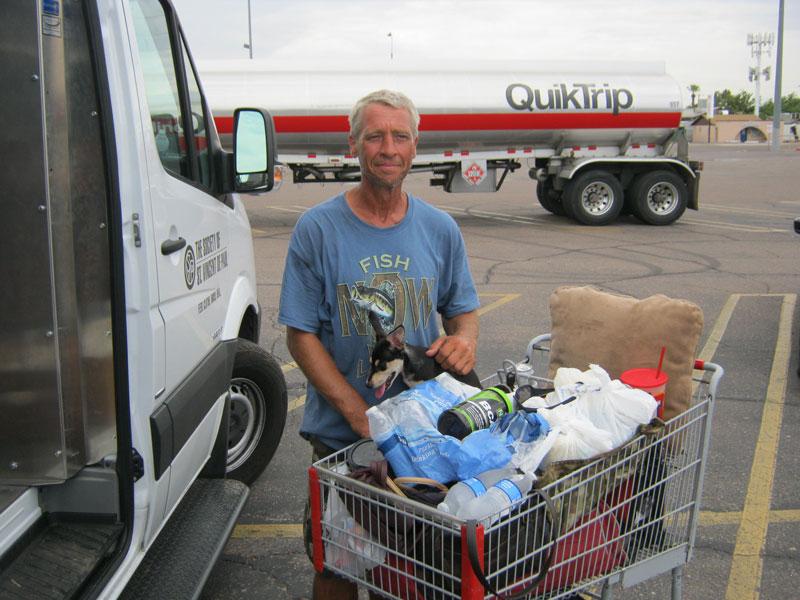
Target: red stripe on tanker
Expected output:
[477,122]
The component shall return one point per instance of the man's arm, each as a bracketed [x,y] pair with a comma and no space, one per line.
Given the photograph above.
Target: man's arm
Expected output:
[318,367]
[455,351]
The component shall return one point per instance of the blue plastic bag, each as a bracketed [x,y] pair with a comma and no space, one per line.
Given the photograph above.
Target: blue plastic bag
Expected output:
[404,429]
[520,426]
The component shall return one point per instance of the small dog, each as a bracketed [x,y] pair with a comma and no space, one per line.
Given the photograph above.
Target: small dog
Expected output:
[392,357]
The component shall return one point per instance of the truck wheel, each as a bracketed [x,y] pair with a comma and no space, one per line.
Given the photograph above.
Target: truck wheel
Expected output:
[594,198]
[257,412]
[659,197]
[549,198]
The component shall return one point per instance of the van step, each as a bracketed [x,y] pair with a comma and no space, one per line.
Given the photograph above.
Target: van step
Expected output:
[57,560]
[180,560]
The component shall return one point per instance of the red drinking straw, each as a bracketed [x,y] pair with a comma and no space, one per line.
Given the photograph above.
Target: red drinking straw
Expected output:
[661,360]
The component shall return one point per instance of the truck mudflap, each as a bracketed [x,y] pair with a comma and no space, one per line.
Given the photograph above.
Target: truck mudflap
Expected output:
[182,556]
[694,186]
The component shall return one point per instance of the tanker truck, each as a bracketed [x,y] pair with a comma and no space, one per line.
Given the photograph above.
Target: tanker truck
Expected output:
[598,139]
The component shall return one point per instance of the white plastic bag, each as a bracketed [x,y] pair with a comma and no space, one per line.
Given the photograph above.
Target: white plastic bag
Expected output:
[578,438]
[620,410]
[604,414]
[348,546]
[567,377]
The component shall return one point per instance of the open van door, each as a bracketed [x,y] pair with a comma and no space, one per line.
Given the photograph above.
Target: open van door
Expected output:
[192,231]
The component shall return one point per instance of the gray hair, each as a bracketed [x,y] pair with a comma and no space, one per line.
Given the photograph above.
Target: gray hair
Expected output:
[387,98]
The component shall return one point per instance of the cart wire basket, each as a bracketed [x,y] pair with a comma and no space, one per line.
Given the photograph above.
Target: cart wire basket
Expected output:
[620,518]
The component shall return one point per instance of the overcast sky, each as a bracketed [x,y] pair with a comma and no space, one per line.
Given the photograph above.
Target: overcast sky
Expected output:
[700,41]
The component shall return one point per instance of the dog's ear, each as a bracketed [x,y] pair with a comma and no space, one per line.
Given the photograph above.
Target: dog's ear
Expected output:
[376,324]
[397,337]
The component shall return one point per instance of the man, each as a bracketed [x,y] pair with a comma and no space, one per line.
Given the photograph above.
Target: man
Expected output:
[374,247]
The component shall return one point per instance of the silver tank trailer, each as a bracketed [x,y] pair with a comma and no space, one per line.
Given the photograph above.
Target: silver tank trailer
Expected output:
[476,107]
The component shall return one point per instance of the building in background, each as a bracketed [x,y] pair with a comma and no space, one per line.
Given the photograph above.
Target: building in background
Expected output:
[730,129]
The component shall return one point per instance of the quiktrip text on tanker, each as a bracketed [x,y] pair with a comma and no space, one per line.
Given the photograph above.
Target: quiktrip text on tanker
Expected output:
[577,96]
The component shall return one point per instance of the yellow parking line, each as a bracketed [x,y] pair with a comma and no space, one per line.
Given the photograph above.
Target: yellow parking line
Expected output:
[504,299]
[272,530]
[288,366]
[745,577]
[295,530]
[721,324]
[710,518]
[296,403]
[784,516]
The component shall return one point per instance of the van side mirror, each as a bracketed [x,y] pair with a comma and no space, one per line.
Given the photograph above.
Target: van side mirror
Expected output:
[253,150]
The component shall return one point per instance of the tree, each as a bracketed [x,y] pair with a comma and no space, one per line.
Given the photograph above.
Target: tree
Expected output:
[741,103]
[694,88]
[789,104]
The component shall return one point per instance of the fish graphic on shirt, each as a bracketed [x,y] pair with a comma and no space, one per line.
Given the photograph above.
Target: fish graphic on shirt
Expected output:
[374,300]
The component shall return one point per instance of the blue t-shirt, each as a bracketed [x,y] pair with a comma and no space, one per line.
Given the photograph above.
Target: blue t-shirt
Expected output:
[339,267]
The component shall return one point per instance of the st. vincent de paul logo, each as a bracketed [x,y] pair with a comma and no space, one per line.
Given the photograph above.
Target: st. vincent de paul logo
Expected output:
[189,267]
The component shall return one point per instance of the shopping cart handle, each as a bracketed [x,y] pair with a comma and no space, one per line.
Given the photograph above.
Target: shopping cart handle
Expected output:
[699,364]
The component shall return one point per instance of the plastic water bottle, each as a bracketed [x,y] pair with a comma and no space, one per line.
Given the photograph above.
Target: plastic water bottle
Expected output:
[464,491]
[499,498]
[476,412]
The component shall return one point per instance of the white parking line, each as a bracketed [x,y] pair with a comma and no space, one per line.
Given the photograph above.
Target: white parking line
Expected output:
[733,226]
[284,209]
[746,211]
[494,216]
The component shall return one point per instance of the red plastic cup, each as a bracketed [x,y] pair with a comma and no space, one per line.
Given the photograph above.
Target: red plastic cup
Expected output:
[650,381]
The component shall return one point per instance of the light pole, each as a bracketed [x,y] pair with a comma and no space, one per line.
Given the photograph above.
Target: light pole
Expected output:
[776,116]
[391,45]
[759,42]
[249,44]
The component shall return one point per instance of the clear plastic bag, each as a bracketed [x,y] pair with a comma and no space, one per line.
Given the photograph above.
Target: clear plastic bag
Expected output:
[349,546]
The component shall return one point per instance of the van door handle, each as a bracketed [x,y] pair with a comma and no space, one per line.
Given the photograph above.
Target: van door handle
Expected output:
[170,246]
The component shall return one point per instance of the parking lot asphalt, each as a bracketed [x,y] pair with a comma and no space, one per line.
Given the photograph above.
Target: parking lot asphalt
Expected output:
[737,257]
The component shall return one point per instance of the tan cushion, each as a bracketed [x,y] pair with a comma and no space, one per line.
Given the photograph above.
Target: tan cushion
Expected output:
[620,333]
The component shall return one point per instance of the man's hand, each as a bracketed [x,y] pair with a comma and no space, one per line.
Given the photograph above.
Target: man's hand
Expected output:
[454,353]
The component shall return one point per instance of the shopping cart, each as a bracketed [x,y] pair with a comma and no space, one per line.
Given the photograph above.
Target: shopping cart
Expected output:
[621,518]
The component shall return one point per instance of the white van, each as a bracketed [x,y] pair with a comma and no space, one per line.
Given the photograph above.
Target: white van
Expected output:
[134,398]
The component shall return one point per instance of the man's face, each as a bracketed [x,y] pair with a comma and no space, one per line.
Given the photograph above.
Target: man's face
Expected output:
[386,146]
